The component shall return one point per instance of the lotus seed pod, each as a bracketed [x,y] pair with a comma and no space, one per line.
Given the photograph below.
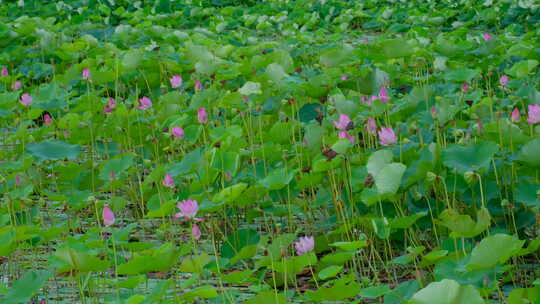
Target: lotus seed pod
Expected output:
[431,177]
[469,176]
[417,195]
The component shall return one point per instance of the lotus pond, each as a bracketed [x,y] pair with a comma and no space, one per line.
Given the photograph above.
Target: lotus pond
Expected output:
[275,151]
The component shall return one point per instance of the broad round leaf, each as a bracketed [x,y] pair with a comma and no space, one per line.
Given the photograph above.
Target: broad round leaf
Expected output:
[53,150]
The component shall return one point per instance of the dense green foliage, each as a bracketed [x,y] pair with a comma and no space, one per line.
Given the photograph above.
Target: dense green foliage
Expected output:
[403,136]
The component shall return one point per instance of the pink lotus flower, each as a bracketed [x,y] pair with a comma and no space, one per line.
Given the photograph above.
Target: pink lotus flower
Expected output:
[304,245]
[85,74]
[26,99]
[108,216]
[112,176]
[5,72]
[465,87]
[433,112]
[195,231]
[168,181]
[480,125]
[367,100]
[383,94]
[486,36]
[503,80]
[534,114]
[343,122]
[17,180]
[177,132]
[109,107]
[515,116]
[344,78]
[47,120]
[387,137]
[176,81]
[16,85]
[145,103]
[371,126]
[202,116]
[188,209]
[345,134]
[198,85]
